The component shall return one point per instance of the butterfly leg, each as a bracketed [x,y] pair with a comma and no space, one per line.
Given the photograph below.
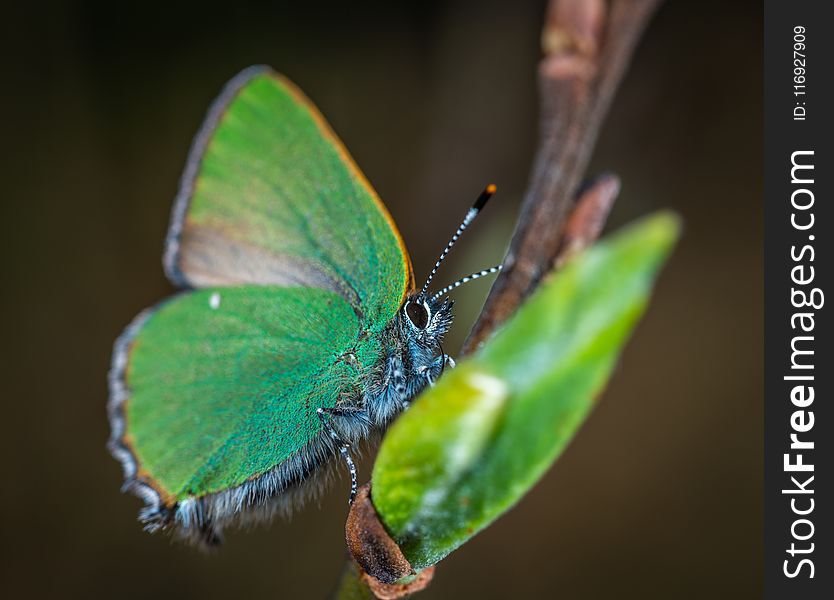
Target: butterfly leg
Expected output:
[400,388]
[397,381]
[326,416]
[435,370]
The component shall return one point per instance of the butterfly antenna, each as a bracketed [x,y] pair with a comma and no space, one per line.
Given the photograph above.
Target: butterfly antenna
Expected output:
[470,216]
[466,279]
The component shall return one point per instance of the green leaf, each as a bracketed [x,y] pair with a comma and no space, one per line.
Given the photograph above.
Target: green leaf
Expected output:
[473,445]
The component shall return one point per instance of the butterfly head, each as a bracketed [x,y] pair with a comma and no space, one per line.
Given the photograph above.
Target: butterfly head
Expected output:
[428,318]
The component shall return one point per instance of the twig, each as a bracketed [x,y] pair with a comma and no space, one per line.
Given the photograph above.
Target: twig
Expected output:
[588,216]
[587,46]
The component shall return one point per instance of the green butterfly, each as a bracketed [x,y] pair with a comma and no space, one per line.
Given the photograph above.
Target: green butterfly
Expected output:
[300,332]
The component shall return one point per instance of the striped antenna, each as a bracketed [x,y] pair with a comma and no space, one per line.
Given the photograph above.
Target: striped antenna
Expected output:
[466,279]
[470,216]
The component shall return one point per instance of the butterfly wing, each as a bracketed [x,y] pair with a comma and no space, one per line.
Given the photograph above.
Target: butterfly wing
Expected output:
[271,196]
[216,388]
[213,394]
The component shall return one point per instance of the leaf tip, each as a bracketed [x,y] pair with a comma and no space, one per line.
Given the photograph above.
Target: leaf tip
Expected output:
[662,229]
[370,545]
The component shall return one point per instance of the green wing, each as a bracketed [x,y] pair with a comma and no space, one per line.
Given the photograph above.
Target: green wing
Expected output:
[270,196]
[224,384]
[295,260]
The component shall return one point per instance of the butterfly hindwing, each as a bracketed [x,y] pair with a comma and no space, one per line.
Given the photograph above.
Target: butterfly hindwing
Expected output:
[224,384]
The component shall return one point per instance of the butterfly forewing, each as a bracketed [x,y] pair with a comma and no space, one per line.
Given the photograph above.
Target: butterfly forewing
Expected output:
[270,196]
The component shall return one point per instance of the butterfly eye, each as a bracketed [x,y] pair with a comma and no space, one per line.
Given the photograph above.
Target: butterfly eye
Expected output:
[418,314]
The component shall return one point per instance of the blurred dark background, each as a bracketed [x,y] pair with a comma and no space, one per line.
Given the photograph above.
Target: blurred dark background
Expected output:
[659,495]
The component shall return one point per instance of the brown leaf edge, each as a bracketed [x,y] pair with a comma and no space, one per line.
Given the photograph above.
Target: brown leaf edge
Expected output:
[383,566]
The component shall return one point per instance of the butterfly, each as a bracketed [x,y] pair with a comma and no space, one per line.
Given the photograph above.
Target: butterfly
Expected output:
[298,331]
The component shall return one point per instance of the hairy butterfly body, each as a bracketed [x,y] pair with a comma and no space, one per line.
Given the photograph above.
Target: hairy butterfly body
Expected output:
[298,333]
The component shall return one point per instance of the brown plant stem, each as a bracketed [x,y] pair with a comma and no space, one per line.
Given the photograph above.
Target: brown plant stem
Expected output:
[587,217]
[587,45]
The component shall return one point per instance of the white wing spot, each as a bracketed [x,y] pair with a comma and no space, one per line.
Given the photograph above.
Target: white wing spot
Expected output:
[214,301]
